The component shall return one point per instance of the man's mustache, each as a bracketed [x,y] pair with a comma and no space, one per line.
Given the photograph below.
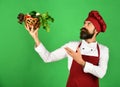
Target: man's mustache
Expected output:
[84,29]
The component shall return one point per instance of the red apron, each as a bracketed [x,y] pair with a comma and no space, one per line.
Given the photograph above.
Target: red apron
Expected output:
[77,77]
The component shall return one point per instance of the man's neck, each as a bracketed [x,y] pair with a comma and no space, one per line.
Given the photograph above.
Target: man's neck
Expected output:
[91,40]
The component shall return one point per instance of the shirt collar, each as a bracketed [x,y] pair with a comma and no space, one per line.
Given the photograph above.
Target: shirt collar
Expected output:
[91,45]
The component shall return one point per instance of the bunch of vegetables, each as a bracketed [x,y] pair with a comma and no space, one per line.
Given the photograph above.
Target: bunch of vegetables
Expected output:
[36,20]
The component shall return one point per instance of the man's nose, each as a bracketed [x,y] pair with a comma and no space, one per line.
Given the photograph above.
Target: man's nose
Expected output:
[85,25]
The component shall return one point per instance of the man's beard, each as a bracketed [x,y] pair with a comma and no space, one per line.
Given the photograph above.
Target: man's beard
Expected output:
[84,34]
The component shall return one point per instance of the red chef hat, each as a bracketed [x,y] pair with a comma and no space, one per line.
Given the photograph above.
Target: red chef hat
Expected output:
[97,21]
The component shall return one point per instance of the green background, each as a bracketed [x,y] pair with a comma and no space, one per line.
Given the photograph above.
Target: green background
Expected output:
[21,66]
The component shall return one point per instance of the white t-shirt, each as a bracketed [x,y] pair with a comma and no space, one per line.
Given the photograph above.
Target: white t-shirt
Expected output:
[85,49]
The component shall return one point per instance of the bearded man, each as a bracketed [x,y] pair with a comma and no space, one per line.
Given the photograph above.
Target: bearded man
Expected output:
[87,59]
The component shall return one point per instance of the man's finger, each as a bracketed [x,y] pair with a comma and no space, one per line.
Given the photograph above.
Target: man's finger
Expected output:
[70,53]
[27,27]
[68,49]
[32,29]
[78,49]
[36,30]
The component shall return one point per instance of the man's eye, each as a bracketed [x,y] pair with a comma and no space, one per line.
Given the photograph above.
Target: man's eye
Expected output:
[89,23]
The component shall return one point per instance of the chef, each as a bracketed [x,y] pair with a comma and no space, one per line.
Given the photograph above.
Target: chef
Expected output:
[87,59]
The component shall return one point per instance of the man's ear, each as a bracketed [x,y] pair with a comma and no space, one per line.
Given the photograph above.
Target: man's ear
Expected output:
[96,32]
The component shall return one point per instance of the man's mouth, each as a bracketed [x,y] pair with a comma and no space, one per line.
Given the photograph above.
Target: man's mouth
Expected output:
[84,30]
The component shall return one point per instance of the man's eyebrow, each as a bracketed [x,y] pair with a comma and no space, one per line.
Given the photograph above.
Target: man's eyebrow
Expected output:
[84,22]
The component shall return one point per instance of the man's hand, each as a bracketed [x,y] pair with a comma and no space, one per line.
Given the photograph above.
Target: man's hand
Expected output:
[76,55]
[33,33]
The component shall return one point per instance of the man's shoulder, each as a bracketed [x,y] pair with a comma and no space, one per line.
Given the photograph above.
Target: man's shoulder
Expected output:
[103,47]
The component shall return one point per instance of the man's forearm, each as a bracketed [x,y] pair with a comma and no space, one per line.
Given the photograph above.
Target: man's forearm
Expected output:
[37,41]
